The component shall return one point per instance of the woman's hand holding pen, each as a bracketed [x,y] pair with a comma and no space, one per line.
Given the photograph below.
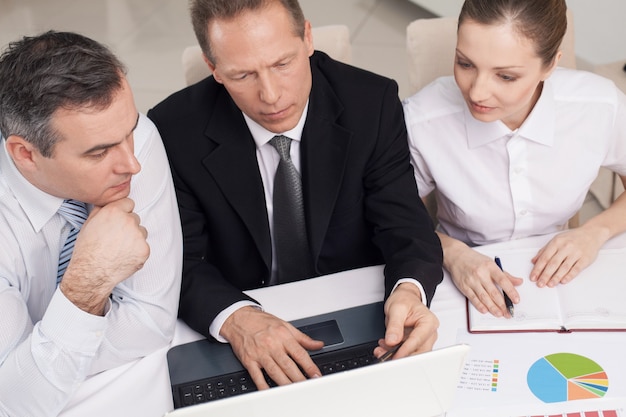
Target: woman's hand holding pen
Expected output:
[478,277]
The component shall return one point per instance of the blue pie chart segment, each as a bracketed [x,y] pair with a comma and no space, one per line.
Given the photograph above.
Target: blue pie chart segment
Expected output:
[546,382]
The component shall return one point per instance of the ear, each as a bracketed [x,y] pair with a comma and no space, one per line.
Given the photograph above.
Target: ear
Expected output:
[211,66]
[308,37]
[553,65]
[23,153]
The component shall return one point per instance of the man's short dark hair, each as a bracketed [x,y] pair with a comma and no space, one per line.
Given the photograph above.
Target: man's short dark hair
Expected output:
[55,70]
[205,11]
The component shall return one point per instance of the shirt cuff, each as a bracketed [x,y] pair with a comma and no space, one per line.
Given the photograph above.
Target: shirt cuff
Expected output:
[218,322]
[413,281]
[72,327]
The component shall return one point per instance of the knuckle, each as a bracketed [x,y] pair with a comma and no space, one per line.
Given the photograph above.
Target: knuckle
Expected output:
[271,368]
[484,297]
[474,299]
[494,294]
[265,339]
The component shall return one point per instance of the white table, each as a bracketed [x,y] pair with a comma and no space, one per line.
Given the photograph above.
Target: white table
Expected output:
[142,388]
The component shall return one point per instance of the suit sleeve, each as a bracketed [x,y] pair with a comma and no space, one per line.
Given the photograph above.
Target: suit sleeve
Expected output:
[403,230]
[205,292]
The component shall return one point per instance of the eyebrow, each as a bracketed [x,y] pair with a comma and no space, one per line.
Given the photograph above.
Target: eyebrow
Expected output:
[495,68]
[110,145]
[235,71]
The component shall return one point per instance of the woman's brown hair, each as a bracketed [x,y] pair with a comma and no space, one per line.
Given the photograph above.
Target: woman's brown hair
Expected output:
[544,22]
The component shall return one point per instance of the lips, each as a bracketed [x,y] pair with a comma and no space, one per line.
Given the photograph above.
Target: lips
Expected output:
[122,186]
[276,115]
[481,109]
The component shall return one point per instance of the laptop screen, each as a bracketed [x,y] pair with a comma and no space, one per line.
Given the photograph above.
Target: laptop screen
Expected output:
[421,386]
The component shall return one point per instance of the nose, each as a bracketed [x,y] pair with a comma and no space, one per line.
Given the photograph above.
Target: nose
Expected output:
[128,163]
[479,89]
[269,90]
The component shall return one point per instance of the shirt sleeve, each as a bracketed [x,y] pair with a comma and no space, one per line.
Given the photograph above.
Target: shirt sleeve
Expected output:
[423,177]
[615,159]
[43,363]
[54,355]
[145,305]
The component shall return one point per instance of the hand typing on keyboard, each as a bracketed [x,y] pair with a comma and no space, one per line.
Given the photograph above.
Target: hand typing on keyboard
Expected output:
[408,321]
[263,342]
[237,383]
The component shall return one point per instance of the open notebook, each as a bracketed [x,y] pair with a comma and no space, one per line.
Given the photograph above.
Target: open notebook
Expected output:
[593,301]
[420,386]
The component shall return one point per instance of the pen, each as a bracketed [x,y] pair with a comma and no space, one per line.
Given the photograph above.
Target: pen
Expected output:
[507,300]
[389,354]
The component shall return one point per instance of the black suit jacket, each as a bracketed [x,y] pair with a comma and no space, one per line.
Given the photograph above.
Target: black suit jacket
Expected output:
[361,202]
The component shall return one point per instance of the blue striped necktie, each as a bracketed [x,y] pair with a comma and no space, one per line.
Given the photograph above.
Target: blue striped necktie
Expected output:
[75,213]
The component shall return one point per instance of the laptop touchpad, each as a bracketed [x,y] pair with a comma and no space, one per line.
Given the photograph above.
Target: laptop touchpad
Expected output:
[326,331]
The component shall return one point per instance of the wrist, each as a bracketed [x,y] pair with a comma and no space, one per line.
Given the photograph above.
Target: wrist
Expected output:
[599,233]
[235,320]
[90,295]
[410,288]
[453,249]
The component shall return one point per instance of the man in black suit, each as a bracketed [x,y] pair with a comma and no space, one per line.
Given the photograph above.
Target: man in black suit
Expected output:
[348,142]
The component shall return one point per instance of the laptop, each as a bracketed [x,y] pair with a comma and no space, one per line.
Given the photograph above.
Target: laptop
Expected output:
[210,374]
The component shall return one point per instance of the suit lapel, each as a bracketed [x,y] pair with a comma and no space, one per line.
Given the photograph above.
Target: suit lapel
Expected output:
[325,148]
[234,166]
[324,154]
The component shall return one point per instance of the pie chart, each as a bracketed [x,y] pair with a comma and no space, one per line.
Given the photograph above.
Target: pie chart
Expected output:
[565,377]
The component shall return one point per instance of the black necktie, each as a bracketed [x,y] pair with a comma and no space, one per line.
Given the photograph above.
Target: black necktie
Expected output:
[293,257]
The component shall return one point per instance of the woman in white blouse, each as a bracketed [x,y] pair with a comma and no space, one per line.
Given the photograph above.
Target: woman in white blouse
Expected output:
[511,144]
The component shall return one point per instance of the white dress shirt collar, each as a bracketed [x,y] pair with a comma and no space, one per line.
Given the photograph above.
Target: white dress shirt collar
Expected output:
[538,126]
[38,205]
[262,136]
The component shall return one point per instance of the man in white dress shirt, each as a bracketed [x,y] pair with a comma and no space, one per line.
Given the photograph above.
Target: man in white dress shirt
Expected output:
[70,131]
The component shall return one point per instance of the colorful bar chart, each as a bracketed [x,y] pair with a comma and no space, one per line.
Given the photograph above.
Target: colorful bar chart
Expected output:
[565,377]
[597,413]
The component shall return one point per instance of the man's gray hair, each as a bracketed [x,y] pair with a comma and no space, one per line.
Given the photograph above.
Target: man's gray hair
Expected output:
[55,70]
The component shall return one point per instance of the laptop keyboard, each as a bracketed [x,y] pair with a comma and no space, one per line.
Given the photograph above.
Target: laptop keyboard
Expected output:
[238,383]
